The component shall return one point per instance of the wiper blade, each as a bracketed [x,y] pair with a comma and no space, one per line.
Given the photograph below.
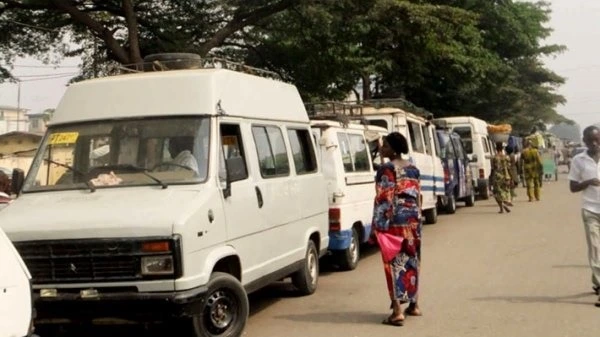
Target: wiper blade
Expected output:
[145,172]
[160,182]
[89,184]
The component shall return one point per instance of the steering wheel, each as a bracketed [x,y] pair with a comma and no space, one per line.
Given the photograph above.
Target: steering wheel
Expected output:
[171,164]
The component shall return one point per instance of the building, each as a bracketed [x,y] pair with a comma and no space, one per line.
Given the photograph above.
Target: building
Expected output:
[17,149]
[13,119]
[38,121]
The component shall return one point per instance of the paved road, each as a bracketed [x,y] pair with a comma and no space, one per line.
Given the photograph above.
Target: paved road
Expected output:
[483,274]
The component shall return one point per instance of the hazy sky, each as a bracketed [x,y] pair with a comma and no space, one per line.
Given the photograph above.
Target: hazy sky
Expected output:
[576,24]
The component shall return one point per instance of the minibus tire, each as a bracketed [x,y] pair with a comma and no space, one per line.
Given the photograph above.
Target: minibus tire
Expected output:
[430,216]
[470,200]
[450,205]
[484,191]
[347,259]
[306,279]
[224,291]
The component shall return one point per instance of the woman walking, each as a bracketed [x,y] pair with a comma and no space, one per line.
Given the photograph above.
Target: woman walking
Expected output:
[501,179]
[397,226]
[512,153]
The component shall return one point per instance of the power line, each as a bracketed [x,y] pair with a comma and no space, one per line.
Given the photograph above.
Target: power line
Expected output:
[31,26]
[38,66]
[50,78]
[42,75]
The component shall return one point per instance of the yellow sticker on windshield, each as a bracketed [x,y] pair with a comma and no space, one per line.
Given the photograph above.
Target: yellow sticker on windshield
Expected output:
[63,138]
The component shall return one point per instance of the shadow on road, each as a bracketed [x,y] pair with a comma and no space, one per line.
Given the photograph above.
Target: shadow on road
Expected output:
[569,299]
[356,317]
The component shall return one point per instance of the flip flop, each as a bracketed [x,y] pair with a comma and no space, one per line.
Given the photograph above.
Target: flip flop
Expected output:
[412,313]
[388,321]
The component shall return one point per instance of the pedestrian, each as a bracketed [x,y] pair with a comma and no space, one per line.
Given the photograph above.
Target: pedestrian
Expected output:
[5,187]
[532,165]
[397,219]
[584,177]
[514,170]
[501,180]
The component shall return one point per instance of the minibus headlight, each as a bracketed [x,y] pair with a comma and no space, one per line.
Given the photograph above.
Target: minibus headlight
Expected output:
[158,265]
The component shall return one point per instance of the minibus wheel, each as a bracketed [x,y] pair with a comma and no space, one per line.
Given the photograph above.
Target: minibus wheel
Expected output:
[470,201]
[225,309]
[451,205]
[430,216]
[348,258]
[306,279]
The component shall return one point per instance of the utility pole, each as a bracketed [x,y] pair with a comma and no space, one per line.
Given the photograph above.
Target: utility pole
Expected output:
[18,103]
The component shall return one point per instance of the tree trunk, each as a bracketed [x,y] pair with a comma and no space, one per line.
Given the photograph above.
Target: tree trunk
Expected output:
[132,27]
[366,87]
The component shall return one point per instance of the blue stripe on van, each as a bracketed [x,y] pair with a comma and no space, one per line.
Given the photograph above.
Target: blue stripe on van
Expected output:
[428,177]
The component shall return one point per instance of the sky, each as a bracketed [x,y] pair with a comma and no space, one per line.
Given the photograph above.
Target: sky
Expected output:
[576,25]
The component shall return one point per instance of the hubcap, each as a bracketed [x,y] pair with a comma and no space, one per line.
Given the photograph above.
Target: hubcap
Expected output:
[312,268]
[219,311]
[354,249]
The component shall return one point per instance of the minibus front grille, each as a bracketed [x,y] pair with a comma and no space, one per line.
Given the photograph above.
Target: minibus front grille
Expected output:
[70,261]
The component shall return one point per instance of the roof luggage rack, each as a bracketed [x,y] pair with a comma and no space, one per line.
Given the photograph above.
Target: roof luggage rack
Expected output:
[180,61]
[343,112]
[346,111]
[400,103]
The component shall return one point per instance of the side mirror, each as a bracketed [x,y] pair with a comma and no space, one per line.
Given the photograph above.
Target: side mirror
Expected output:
[17,180]
[474,158]
[236,171]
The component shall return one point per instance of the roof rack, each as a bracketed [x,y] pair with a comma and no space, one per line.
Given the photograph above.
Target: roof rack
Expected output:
[181,61]
[400,103]
[343,112]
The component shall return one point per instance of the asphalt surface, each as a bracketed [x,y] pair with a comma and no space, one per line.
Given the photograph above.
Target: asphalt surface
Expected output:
[483,274]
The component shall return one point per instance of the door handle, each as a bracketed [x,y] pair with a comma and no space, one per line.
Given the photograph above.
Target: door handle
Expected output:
[259,197]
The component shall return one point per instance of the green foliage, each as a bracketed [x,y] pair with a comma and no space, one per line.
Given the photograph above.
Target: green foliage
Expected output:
[452,57]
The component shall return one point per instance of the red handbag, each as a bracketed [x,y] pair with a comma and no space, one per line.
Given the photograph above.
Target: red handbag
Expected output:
[390,245]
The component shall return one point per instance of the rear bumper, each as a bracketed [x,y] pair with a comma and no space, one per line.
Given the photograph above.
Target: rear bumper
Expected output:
[340,240]
[482,182]
[129,306]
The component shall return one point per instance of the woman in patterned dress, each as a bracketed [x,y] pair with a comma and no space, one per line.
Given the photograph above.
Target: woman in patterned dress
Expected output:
[397,213]
[501,179]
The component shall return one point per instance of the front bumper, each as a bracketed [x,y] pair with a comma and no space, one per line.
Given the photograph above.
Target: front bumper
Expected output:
[129,306]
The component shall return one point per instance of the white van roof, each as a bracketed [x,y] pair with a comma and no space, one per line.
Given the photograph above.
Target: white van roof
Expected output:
[351,125]
[479,123]
[372,111]
[180,93]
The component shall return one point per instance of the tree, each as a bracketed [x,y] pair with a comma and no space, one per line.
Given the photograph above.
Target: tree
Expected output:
[457,57]
[123,31]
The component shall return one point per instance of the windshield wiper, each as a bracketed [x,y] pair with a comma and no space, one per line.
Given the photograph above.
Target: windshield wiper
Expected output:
[72,169]
[160,182]
[145,172]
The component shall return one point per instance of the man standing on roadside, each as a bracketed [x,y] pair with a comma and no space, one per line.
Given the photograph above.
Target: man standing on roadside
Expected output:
[531,163]
[584,177]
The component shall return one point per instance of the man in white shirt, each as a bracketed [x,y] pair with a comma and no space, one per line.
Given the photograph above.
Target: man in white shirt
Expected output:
[584,176]
[181,148]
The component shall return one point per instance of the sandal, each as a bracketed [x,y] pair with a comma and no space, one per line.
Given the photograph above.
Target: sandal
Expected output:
[413,312]
[389,321]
